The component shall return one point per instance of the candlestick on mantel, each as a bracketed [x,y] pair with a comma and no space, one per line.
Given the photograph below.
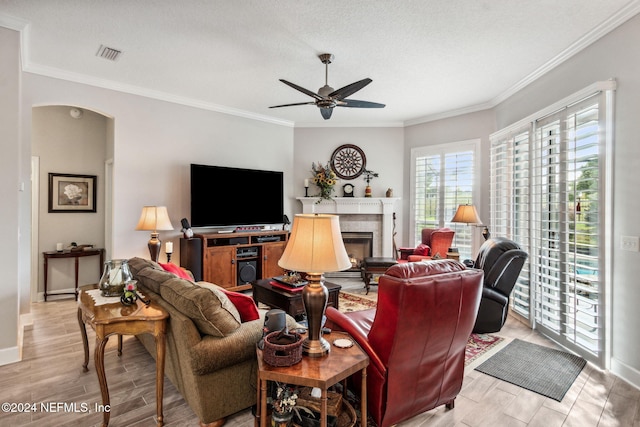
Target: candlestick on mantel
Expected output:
[306,187]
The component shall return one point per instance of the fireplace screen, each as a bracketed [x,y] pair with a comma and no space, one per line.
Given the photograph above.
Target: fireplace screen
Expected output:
[359,246]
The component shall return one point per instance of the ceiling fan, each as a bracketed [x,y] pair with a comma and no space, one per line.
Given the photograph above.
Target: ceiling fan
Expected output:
[327,98]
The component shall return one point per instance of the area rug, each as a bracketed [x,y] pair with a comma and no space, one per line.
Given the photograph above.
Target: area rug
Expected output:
[479,346]
[543,370]
[349,302]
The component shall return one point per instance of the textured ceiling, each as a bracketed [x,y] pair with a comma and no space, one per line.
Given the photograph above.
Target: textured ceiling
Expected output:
[427,58]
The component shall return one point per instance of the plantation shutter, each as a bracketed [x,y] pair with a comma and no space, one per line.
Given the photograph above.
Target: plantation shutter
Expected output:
[444,179]
[550,192]
[510,204]
[568,193]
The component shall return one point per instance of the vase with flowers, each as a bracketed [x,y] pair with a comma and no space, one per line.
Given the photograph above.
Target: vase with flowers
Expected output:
[325,178]
[283,404]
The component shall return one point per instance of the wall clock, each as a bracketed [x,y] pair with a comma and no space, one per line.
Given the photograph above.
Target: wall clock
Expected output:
[348,161]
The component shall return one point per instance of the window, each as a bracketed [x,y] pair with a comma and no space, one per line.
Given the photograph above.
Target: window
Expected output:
[548,192]
[444,177]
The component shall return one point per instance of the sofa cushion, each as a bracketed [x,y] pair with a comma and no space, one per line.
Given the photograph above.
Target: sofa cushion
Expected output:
[204,303]
[153,278]
[136,264]
[172,268]
[244,303]
[422,250]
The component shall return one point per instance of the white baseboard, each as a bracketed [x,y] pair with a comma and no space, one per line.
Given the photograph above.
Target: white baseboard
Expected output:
[9,355]
[625,372]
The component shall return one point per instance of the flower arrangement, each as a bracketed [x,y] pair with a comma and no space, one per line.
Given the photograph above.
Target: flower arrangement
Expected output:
[325,178]
[285,399]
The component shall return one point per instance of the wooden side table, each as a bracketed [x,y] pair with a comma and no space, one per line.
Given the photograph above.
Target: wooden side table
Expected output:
[116,318]
[321,372]
[70,254]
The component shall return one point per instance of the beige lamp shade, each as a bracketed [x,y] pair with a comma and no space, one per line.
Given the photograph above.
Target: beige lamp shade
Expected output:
[467,214]
[315,245]
[154,218]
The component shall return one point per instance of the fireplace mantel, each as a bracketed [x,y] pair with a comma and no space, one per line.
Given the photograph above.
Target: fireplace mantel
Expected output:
[384,206]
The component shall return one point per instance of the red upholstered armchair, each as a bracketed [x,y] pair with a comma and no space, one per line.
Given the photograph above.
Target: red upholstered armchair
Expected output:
[415,338]
[434,241]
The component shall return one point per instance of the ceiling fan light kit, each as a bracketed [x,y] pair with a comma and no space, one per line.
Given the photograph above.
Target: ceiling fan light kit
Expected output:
[327,98]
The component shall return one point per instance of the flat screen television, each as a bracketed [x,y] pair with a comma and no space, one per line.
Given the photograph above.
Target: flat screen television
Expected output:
[224,196]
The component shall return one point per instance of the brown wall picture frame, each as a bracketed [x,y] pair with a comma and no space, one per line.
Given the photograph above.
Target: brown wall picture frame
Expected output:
[72,193]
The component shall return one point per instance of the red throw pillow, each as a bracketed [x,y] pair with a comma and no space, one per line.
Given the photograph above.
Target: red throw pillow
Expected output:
[245,305]
[172,268]
[422,249]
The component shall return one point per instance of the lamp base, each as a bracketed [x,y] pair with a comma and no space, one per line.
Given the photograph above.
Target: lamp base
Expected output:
[315,296]
[315,348]
[154,247]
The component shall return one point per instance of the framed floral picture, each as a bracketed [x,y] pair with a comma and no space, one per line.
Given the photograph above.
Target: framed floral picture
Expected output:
[72,193]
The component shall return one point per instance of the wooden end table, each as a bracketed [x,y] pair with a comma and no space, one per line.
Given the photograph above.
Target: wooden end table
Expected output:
[321,372]
[288,300]
[116,318]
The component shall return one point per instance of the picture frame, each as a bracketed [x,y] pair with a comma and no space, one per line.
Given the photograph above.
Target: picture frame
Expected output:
[72,192]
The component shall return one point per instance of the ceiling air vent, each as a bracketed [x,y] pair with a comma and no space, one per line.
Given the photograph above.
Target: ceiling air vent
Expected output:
[108,53]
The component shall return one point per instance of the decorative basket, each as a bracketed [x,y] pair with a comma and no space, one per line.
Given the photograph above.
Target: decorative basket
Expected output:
[275,353]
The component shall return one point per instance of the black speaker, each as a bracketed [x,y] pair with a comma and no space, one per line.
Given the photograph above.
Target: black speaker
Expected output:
[247,271]
[191,256]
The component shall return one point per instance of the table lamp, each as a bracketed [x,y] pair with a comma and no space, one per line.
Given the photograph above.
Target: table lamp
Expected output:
[467,214]
[154,218]
[315,247]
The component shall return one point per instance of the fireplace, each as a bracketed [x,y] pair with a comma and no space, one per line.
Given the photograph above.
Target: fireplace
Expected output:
[359,245]
[361,214]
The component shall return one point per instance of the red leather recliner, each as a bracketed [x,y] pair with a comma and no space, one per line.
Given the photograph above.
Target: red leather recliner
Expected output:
[415,338]
[433,241]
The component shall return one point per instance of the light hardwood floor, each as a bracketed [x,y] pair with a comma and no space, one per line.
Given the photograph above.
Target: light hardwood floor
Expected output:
[51,372]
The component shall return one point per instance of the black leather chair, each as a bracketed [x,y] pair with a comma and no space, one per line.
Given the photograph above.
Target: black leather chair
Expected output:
[502,260]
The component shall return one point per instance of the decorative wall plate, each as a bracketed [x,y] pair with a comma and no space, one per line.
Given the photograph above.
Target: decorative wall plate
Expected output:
[348,161]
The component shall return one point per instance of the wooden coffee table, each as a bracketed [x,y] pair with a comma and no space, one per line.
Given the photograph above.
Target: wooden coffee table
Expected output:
[321,372]
[289,301]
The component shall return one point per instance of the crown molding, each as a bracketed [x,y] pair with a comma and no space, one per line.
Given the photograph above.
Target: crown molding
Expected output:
[149,93]
[349,125]
[614,21]
[17,24]
[623,15]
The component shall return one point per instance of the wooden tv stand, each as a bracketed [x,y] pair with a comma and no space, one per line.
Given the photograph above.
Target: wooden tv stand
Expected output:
[234,260]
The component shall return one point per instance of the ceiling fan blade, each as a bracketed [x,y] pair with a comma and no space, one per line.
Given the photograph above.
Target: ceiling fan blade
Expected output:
[290,105]
[326,113]
[303,90]
[348,90]
[354,103]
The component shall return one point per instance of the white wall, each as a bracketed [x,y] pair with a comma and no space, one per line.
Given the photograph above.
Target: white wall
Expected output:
[613,56]
[383,148]
[9,194]
[74,146]
[154,144]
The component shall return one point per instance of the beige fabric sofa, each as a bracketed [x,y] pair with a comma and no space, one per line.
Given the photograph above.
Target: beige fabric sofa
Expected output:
[210,354]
